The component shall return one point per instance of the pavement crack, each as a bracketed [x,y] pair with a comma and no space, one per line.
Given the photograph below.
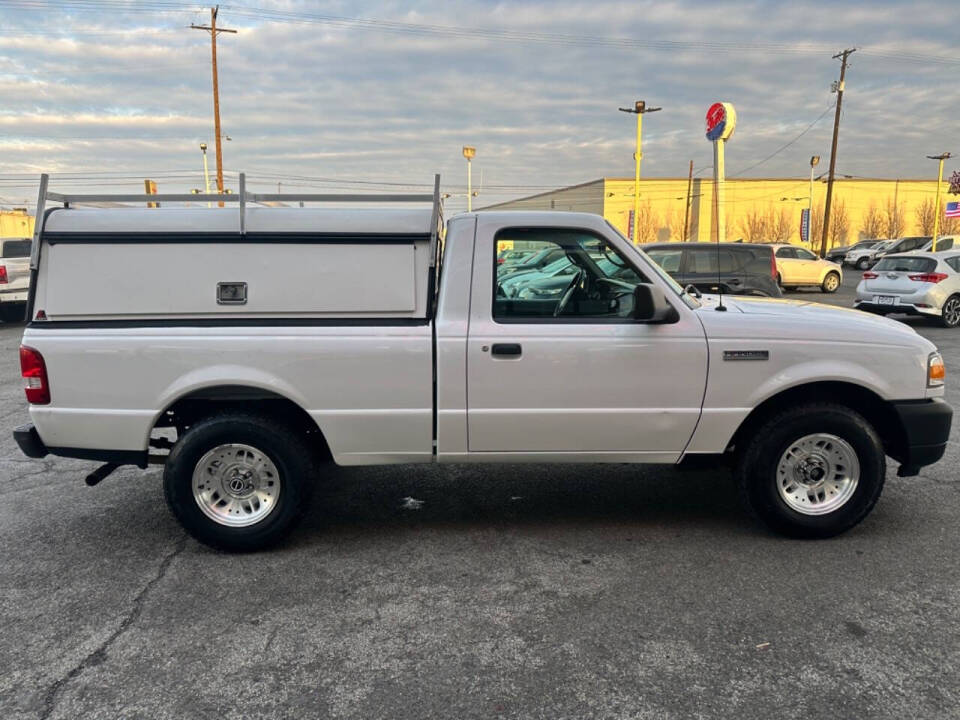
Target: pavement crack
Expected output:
[99,655]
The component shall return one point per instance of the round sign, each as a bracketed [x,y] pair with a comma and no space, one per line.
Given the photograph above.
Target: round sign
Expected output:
[721,120]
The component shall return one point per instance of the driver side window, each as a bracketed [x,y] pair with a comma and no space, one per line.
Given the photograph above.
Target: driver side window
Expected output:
[571,276]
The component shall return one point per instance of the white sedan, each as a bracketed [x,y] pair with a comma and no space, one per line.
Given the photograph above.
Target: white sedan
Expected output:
[916,283]
[798,266]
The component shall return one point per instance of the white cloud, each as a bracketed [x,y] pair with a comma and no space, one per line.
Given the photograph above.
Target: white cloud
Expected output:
[321,100]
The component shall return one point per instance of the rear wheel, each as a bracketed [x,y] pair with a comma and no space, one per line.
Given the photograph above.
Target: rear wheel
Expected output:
[863,263]
[239,481]
[813,471]
[950,314]
[830,283]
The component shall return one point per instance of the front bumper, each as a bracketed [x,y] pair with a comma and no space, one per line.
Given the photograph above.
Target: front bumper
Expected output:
[926,426]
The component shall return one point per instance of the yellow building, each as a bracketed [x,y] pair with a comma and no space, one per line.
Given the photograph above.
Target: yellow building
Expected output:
[16,223]
[757,210]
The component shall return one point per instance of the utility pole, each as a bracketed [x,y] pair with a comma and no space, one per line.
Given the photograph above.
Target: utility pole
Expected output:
[833,149]
[936,215]
[686,212]
[214,31]
[639,109]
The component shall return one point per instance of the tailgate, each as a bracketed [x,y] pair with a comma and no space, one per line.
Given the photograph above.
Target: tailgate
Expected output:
[18,274]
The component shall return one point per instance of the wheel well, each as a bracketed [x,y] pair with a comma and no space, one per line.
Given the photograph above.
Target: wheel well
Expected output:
[203,403]
[877,411]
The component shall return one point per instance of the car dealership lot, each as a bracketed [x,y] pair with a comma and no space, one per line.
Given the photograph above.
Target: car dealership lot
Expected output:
[514,591]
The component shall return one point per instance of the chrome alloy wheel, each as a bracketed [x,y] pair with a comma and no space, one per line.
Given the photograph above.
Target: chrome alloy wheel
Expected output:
[818,474]
[236,485]
[951,312]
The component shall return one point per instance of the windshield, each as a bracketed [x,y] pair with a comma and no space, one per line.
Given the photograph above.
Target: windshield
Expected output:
[906,263]
[689,300]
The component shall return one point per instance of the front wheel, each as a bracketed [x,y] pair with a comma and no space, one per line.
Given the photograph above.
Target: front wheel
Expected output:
[238,481]
[813,471]
[830,283]
[863,263]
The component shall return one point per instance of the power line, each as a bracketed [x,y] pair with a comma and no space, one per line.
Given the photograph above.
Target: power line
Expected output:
[787,144]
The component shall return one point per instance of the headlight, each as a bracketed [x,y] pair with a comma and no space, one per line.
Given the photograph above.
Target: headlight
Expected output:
[936,372]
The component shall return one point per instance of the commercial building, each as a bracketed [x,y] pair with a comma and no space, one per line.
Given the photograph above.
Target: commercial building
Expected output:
[757,210]
[16,223]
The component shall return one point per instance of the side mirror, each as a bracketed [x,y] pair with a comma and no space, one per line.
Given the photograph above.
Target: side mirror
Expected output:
[650,305]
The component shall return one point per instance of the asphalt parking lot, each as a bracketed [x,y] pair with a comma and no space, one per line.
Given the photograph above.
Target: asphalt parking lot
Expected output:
[556,591]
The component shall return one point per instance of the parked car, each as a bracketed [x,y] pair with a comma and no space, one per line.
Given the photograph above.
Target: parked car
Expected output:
[258,395]
[905,244]
[538,259]
[918,283]
[838,254]
[14,278]
[862,258]
[512,257]
[797,266]
[736,268]
[560,268]
[945,243]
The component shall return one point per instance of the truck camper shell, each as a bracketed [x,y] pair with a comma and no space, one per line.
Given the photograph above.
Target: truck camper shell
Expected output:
[307,263]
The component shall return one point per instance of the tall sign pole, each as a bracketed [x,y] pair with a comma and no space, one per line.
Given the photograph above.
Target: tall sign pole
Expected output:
[640,109]
[214,31]
[838,86]
[936,215]
[721,122]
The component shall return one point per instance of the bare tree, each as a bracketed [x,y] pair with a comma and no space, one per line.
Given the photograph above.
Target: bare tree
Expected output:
[926,212]
[816,226]
[839,223]
[648,222]
[781,227]
[895,218]
[755,226]
[873,224]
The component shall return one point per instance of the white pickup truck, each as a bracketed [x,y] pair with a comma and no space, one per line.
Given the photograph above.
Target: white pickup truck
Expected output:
[14,278]
[277,342]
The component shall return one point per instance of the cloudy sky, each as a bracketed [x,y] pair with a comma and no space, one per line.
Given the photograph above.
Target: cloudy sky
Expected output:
[384,94]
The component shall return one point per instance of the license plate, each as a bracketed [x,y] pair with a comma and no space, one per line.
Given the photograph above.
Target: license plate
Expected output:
[886,299]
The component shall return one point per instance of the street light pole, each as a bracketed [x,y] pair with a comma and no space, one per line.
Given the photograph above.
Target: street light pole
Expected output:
[469,153]
[936,215]
[814,161]
[639,109]
[206,170]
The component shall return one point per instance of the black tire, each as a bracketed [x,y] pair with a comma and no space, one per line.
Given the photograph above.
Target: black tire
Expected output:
[863,263]
[824,287]
[286,449]
[949,317]
[756,470]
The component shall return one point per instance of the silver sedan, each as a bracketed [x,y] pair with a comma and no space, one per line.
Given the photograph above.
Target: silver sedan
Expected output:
[919,283]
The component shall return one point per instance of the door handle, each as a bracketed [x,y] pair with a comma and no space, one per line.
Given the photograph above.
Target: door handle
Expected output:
[506,349]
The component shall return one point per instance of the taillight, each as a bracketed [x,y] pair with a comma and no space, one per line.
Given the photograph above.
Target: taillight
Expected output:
[773,266]
[929,277]
[34,371]
[3,274]
[870,276]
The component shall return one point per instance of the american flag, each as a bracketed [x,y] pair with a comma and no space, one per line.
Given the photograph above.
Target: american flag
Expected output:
[953,210]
